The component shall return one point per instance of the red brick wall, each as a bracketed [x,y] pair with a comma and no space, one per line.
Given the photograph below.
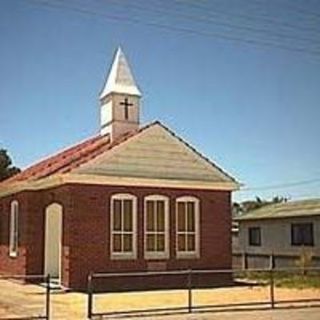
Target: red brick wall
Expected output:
[86,240]
[13,265]
[92,241]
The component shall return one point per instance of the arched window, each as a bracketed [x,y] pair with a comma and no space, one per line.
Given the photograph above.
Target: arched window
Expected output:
[187,227]
[14,230]
[156,222]
[123,222]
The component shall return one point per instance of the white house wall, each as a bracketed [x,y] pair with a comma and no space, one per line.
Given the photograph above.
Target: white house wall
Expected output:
[276,236]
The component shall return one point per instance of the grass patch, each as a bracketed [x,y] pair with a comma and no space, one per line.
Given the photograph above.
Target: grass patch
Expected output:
[298,281]
[283,279]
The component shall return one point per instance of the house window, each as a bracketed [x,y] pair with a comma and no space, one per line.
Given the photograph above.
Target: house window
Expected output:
[187,227]
[123,226]
[302,234]
[13,233]
[254,236]
[156,219]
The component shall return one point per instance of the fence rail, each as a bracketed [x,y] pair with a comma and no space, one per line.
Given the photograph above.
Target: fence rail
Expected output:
[269,281]
[46,309]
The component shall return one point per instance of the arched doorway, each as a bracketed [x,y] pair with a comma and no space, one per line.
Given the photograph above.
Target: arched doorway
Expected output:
[53,241]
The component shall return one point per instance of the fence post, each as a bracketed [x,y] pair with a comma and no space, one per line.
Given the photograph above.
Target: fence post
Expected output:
[48,289]
[271,288]
[189,290]
[90,296]
[272,261]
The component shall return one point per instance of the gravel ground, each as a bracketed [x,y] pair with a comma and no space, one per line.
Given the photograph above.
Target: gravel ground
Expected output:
[26,300]
[285,314]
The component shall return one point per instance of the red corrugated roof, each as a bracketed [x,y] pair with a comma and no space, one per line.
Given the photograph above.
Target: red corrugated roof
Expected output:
[72,157]
[64,161]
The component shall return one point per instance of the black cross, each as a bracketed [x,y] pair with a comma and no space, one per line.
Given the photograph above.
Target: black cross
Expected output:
[126,105]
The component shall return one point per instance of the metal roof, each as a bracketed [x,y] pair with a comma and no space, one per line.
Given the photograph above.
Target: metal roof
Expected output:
[289,209]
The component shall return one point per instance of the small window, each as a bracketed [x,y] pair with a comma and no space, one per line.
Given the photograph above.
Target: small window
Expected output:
[255,236]
[302,234]
[13,234]
[156,227]
[123,226]
[187,227]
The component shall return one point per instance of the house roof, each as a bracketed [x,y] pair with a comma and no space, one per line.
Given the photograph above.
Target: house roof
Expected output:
[66,166]
[289,209]
[69,159]
[120,79]
[64,161]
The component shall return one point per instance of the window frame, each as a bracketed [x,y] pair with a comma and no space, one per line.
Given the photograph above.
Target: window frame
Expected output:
[14,229]
[302,243]
[252,243]
[124,255]
[149,255]
[189,254]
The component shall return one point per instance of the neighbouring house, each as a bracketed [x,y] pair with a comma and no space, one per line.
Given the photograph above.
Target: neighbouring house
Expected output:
[285,235]
[132,198]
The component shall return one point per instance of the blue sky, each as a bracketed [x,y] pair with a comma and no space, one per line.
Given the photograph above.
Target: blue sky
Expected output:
[251,107]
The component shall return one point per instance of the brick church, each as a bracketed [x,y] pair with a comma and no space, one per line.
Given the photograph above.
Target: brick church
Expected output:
[132,198]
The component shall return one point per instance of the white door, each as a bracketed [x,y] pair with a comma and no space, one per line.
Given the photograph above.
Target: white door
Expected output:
[53,241]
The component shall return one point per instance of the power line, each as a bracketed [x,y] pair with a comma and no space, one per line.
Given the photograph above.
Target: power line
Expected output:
[282,185]
[213,21]
[258,4]
[261,17]
[185,30]
[301,11]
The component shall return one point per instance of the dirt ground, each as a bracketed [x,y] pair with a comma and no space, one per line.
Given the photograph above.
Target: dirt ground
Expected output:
[28,300]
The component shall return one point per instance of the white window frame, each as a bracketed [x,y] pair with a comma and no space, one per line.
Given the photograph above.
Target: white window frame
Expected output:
[196,252]
[14,229]
[133,253]
[151,254]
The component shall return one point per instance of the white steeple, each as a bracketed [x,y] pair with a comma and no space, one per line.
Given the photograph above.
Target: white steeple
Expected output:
[119,99]
[120,79]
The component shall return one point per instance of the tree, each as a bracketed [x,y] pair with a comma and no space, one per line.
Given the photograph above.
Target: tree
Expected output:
[6,168]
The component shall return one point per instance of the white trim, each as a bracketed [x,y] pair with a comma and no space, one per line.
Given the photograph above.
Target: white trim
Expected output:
[157,255]
[196,253]
[14,229]
[60,179]
[133,253]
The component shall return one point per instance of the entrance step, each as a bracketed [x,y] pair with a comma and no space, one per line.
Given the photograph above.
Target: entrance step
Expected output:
[55,285]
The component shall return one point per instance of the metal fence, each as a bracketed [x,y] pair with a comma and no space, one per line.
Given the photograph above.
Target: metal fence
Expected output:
[46,280]
[266,278]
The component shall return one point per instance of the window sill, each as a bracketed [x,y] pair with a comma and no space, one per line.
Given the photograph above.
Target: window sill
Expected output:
[301,245]
[13,254]
[185,255]
[156,256]
[122,256]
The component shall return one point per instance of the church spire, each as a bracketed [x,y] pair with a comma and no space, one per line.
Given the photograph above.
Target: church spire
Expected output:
[120,79]
[119,99]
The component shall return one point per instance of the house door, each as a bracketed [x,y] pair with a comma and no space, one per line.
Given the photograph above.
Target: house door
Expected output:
[53,241]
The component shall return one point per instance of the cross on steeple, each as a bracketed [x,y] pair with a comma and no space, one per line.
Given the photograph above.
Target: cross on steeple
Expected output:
[126,105]
[120,100]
